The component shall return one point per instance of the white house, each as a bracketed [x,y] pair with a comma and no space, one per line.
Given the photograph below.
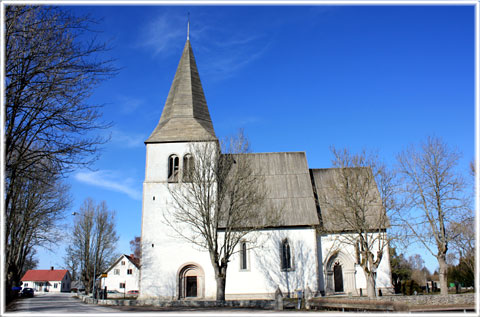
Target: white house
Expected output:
[47,280]
[306,249]
[123,275]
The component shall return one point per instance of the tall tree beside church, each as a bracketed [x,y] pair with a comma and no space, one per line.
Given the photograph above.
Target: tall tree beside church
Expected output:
[50,70]
[136,246]
[436,198]
[217,207]
[463,242]
[361,192]
[93,242]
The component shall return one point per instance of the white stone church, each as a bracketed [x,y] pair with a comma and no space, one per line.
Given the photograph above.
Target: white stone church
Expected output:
[304,250]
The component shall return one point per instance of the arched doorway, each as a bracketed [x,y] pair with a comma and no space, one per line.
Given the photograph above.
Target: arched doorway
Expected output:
[191,282]
[340,274]
[338,277]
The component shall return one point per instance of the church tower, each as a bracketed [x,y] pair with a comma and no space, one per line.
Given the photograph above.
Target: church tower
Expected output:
[171,267]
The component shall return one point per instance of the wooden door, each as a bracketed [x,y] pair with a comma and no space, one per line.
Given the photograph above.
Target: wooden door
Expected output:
[191,286]
[338,277]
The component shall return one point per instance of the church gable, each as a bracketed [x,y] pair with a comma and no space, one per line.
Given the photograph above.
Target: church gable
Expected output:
[324,179]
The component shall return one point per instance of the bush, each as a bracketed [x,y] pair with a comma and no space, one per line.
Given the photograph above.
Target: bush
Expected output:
[409,287]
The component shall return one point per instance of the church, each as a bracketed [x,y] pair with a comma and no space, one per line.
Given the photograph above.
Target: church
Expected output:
[306,248]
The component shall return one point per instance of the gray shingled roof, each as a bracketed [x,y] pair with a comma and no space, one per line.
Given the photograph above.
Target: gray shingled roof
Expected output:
[325,179]
[287,179]
[185,116]
[290,190]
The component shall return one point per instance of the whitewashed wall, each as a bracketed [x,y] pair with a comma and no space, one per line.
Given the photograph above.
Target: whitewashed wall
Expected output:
[62,286]
[353,275]
[163,252]
[264,273]
[112,281]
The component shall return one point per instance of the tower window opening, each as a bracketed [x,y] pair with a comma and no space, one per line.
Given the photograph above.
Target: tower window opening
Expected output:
[188,168]
[173,163]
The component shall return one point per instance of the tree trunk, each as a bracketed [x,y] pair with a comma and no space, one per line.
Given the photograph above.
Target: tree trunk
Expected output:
[370,285]
[221,283]
[442,272]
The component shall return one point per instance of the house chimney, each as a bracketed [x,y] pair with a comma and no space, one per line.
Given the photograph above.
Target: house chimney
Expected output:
[132,256]
[51,268]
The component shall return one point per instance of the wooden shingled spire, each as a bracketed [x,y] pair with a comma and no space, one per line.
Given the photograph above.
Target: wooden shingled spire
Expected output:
[185,117]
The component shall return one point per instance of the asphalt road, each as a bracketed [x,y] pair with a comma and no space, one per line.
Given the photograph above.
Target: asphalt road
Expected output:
[62,303]
[65,303]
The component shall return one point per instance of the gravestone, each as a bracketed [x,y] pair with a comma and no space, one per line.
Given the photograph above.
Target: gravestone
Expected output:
[278,299]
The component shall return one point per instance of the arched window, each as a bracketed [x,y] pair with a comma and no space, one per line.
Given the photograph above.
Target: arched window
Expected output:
[243,255]
[286,256]
[173,163]
[188,167]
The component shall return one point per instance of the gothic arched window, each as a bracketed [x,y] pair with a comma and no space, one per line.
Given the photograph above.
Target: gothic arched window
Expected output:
[286,255]
[173,163]
[188,167]
[243,255]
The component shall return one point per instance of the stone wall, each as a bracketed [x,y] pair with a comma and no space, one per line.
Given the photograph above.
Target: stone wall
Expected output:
[432,299]
[450,299]
[393,301]
[257,304]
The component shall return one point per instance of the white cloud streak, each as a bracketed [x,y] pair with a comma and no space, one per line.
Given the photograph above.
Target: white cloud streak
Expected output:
[129,104]
[222,57]
[110,180]
[127,140]
[160,34]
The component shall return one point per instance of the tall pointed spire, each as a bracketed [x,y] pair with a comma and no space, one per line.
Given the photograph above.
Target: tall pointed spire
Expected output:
[185,116]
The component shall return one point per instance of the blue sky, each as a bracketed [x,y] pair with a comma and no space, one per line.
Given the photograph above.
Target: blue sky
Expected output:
[296,78]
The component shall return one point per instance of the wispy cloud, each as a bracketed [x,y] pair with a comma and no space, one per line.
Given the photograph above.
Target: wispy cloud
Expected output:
[223,53]
[233,59]
[110,180]
[161,33]
[127,139]
[129,104]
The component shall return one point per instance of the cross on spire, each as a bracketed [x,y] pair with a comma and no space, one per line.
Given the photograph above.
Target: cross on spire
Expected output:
[188,27]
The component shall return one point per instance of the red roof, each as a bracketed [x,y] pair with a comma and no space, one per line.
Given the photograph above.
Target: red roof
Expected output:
[133,259]
[44,275]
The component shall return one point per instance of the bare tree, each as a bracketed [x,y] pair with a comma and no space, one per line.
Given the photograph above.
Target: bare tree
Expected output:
[416,262]
[50,72]
[71,263]
[355,203]
[218,204]
[419,271]
[39,204]
[136,246]
[463,241]
[435,195]
[463,232]
[94,239]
